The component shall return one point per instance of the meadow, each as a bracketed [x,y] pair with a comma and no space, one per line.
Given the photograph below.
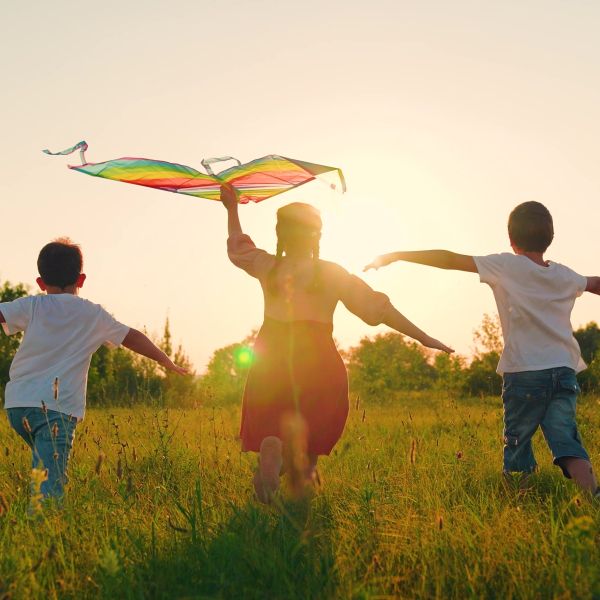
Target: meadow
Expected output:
[411,505]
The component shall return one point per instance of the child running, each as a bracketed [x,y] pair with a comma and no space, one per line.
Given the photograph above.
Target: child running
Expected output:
[297,369]
[45,397]
[541,357]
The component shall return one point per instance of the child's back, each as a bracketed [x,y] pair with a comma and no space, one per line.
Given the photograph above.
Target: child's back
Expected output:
[62,331]
[534,303]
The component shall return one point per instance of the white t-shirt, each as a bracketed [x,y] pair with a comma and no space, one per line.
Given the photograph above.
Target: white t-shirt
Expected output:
[62,331]
[534,303]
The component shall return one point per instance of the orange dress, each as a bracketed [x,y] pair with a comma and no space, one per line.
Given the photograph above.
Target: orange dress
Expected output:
[297,368]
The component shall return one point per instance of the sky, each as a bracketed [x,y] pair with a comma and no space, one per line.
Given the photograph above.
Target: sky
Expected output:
[442,115]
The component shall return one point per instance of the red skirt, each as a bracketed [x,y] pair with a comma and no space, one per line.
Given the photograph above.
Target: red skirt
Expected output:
[296,370]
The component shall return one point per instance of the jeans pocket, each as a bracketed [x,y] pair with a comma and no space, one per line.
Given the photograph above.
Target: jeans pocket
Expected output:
[568,383]
[524,393]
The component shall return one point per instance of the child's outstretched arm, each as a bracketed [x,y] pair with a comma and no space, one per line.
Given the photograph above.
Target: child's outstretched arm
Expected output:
[230,202]
[593,285]
[138,342]
[375,308]
[396,320]
[442,259]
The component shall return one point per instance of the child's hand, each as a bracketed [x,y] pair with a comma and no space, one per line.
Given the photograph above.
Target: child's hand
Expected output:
[379,261]
[171,366]
[229,196]
[430,342]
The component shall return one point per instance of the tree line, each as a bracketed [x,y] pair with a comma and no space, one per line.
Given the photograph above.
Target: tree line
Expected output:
[379,367]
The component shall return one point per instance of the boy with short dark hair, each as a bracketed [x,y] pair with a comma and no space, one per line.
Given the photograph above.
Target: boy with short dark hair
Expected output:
[541,357]
[45,397]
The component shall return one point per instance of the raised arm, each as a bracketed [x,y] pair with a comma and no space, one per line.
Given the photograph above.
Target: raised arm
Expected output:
[230,202]
[138,342]
[593,285]
[442,259]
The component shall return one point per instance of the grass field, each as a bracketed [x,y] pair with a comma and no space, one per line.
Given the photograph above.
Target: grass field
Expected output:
[412,506]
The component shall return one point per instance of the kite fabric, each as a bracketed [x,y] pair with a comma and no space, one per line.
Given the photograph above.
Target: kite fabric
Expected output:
[254,181]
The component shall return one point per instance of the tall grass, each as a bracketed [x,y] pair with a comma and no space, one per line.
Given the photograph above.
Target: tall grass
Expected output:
[159,505]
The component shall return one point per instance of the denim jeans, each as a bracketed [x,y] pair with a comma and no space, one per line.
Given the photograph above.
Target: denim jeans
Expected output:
[545,399]
[50,435]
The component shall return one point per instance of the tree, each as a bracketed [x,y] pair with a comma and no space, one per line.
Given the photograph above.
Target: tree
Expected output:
[9,344]
[225,377]
[481,377]
[588,338]
[386,364]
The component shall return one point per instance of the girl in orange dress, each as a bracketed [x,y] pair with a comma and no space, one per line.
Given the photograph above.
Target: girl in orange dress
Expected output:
[297,369]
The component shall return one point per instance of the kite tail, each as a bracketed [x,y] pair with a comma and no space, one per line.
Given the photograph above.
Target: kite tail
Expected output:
[81,146]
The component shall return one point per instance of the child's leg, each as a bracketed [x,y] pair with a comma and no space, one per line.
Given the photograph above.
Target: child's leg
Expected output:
[266,479]
[49,434]
[561,433]
[524,396]
[581,471]
[53,444]
[311,468]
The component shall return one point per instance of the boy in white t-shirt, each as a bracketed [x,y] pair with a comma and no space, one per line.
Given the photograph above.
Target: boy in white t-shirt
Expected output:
[45,397]
[541,357]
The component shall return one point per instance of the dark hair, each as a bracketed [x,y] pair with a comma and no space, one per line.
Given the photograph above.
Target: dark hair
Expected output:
[530,227]
[297,223]
[60,263]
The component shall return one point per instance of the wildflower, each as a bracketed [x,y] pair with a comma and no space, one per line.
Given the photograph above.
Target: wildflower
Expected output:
[26,425]
[55,388]
[99,463]
[364,415]
[413,452]
[109,562]
[44,408]
[440,522]
[38,476]
[459,455]
[3,505]
[55,430]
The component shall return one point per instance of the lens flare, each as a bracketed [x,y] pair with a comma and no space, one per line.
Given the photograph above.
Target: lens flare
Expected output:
[244,356]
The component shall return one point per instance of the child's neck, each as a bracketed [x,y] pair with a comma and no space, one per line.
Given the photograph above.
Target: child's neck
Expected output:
[70,289]
[536,257]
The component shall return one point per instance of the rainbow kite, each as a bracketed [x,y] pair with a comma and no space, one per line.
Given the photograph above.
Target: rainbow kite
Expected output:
[254,181]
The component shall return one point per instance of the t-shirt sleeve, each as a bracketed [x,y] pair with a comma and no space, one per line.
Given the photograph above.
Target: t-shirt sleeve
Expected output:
[362,300]
[17,315]
[111,332]
[579,282]
[244,254]
[490,267]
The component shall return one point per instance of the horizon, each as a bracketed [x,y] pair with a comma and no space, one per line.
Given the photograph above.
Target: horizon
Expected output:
[441,117]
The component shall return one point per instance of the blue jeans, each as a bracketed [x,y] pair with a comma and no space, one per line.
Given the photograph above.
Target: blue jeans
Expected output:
[50,436]
[545,399]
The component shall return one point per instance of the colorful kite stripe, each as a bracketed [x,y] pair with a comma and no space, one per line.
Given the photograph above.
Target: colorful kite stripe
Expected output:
[255,181]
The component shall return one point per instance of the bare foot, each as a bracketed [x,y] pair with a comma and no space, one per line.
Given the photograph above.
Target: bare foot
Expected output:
[266,478]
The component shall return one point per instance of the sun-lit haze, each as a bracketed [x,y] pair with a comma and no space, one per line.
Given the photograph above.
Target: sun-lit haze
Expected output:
[442,115]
